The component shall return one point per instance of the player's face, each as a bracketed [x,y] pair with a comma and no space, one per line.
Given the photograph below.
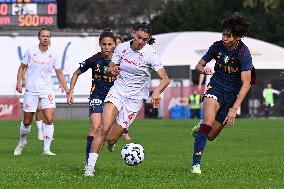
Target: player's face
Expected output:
[229,40]
[140,39]
[44,38]
[118,41]
[107,46]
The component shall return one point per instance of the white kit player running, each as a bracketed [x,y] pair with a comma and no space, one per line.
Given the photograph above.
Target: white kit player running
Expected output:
[39,62]
[132,60]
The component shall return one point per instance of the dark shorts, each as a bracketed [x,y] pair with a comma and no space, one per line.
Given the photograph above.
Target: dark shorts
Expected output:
[95,105]
[226,100]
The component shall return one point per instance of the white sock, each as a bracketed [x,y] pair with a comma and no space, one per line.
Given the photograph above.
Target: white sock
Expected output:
[92,159]
[48,131]
[39,129]
[39,125]
[24,131]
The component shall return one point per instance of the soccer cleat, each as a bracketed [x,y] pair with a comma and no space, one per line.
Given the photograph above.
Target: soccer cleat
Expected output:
[126,137]
[195,129]
[111,147]
[196,169]
[19,149]
[89,171]
[48,153]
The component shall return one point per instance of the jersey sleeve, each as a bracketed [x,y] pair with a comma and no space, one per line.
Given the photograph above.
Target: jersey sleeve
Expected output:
[155,61]
[245,59]
[210,53]
[85,65]
[116,55]
[27,57]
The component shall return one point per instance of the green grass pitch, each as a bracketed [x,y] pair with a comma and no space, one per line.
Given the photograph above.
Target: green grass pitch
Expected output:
[248,155]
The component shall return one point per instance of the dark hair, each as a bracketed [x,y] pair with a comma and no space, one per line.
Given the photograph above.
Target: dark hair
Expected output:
[236,24]
[120,38]
[107,33]
[41,29]
[144,26]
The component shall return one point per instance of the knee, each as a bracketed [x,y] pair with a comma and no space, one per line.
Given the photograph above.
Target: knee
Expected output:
[49,120]
[94,129]
[27,122]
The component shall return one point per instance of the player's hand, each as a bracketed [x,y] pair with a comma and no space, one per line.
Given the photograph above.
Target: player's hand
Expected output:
[231,116]
[70,97]
[115,70]
[156,98]
[208,71]
[19,87]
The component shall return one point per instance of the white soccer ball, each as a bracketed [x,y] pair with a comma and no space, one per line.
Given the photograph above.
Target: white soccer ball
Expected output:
[132,154]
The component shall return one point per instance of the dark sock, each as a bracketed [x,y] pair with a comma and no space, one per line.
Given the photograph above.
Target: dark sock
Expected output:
[125,132]
[88,146]
[199,143]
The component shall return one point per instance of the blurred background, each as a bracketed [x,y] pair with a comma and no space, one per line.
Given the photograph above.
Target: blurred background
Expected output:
[184,29]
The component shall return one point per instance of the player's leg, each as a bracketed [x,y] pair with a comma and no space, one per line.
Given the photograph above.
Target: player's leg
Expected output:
[48,107]
[39,119]
[108,119]
[95,119]
[29,107]
[126,135]
[211,107]
[217,126]
[113,136]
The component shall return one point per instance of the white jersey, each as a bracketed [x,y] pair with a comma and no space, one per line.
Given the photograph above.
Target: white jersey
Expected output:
[39,69]
[210,65]
[133,80]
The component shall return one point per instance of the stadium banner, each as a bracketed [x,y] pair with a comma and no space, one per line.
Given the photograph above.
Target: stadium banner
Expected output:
[70,51]
[10,108]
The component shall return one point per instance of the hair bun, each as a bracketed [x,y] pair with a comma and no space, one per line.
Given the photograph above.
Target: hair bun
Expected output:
[107,30]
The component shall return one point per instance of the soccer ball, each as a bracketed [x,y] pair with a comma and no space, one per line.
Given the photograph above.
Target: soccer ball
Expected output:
[132,154]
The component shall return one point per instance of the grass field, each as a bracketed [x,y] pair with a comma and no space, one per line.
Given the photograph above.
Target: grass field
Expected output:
[248,155]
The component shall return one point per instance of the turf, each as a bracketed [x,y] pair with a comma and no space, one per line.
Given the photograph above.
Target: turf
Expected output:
[248,155]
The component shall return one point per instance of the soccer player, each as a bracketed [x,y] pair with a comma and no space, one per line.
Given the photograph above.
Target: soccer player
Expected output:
[132,60]
[125,134]
[268,93]
[100,82]
[228,86]
[39,62]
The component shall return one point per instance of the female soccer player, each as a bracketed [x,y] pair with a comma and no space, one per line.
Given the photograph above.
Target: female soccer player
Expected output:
[39,62]
[100,82]
[132,60]
[125,134]
[228,86]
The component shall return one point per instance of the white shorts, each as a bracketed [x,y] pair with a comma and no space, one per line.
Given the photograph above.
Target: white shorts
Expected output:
[127,108]
[31,101]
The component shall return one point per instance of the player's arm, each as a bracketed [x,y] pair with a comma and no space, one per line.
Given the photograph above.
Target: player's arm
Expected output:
[112,70]
[20,76]
[200,68]
[165,81]
[201,79]
[62,80]
[72,85]
[246,78]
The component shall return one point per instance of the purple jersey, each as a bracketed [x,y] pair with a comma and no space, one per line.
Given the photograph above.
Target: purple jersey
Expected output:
[100,82]
[228,66]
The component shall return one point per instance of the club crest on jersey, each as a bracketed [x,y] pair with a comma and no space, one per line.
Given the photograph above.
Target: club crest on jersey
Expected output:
[226,59]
